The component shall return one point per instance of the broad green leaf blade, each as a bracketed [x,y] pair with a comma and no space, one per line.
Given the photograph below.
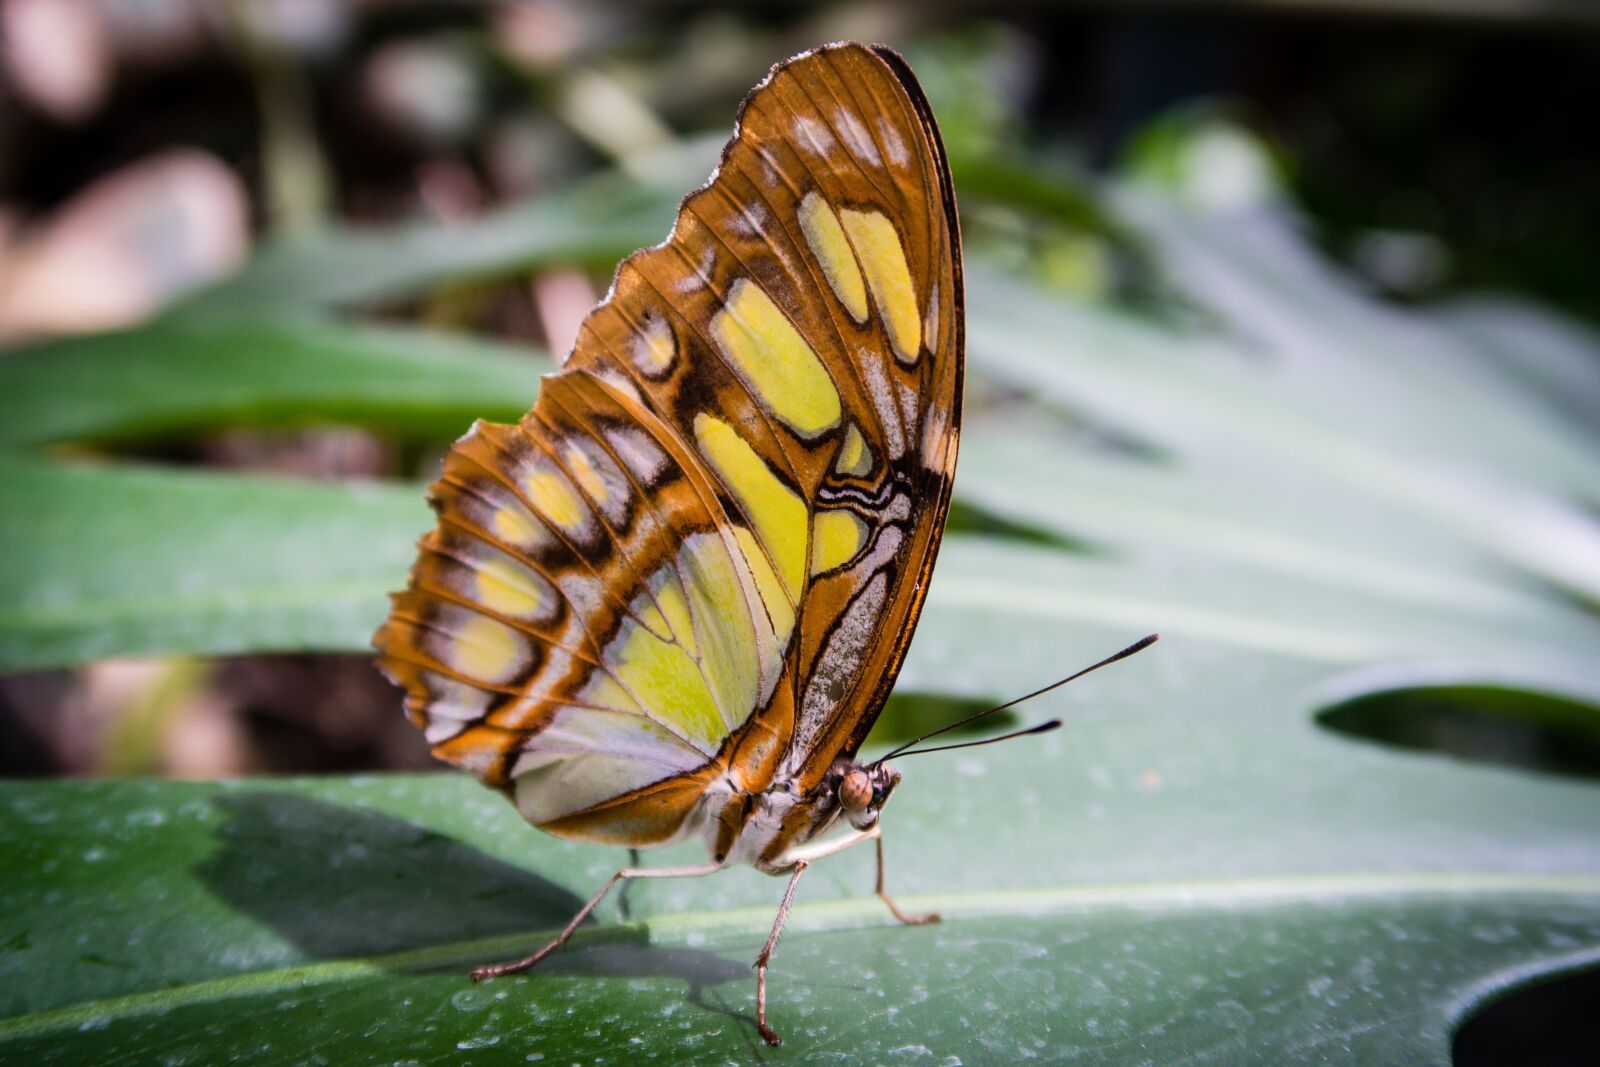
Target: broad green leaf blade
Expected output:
[279,922]
[182,375]
[106,561]
[1281,982]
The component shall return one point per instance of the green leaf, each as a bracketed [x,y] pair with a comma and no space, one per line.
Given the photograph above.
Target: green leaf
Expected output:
[102,561]
[180,375]
[1092,913]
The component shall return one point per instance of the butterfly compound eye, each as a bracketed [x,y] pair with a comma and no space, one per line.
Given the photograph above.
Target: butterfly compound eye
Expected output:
[855,792]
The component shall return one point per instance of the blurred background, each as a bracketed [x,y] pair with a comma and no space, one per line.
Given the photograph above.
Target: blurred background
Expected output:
[149,150]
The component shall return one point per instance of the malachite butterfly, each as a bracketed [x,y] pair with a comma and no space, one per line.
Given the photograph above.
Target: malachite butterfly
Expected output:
[671,601]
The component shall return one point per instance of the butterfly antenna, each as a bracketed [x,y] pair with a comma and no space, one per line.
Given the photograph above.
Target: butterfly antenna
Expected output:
[904,750]
[1039,728]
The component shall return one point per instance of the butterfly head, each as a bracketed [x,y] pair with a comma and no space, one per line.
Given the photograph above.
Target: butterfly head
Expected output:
[863,791]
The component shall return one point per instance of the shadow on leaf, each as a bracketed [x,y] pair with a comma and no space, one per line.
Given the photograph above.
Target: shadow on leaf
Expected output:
[341,882]
[338,881]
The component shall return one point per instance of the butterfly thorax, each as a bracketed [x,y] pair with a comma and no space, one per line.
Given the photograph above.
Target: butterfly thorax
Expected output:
[781,819]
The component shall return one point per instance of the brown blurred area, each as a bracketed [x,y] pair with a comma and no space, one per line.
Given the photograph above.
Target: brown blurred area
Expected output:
[188,718]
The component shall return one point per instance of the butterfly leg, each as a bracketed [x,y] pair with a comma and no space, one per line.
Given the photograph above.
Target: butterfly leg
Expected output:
[768,1034]
[495,970]
[622,894]
[894,909]
[799,859]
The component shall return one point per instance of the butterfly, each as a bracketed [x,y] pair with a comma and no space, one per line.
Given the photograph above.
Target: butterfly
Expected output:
[671,601]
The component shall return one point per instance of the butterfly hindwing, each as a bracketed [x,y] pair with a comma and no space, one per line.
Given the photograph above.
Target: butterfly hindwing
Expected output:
[717,522]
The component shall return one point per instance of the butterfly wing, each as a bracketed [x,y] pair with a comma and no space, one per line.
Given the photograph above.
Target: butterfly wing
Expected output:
[703,552]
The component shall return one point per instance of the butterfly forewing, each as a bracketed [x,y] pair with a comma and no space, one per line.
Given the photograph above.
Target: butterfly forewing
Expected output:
[703,551]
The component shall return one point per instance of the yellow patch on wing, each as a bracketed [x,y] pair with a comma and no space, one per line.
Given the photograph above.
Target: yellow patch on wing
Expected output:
[776,511]
[828,243]
[671,605]
[553,495]
[513,525]
[510,589]
[731,647]
[676,607]
[855,457]
[667,682]
[930,321]
[837,538]
[655,348]
[780,611]
[775,361]
[602,691]
[486,650]
[877,244]
[584,473]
